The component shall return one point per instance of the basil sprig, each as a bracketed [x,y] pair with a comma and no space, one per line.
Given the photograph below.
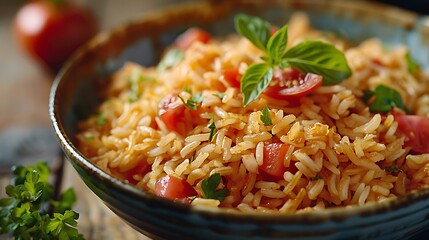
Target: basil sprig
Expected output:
[309,56]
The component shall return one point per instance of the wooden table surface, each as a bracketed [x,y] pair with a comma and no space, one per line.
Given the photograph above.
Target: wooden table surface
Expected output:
[24,93]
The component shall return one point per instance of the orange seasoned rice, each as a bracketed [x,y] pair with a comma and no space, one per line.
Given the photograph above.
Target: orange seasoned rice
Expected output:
[340,148]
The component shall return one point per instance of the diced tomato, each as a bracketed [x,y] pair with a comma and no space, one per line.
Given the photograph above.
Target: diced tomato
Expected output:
[186,39]
[175,189]
[141,169]
[290,84]
[274,155]
[232,76]
[416,129]
[172,112]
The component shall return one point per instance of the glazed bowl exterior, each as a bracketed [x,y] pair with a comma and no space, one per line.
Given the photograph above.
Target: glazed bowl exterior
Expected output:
[75,94]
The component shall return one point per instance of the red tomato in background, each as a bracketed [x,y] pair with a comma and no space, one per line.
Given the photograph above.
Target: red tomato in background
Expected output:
[186,39]
[281,86]
[175,189]
[416,128]
[233,77]
[274,155]
[52,32]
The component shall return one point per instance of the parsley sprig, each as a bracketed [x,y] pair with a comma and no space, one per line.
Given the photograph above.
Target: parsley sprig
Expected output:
[209,186]
[193,102]
[309,56]
[382,99]
[30,212]
[212,128]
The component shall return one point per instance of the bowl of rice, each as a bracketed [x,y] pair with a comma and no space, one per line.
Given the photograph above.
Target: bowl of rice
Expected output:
[250,119]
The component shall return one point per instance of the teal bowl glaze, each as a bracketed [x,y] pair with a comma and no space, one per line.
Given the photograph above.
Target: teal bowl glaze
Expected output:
[75,94]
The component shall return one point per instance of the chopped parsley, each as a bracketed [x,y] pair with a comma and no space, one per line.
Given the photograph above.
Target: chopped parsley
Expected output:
[135,79]
[219,95]
[412,66]
[209,186]
[382,99]
[265,116]
[170,59]
[212,128]
[30,210]
[192,102]
[192,198]
[187,89]
[393,169]
[317,177]
[101,120]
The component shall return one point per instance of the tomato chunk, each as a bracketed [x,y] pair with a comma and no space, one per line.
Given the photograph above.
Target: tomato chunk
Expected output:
[171,112]
[232,76]
[186,39]
[175,189]
[141,169]
[290,84]
[274,154]
[416,129]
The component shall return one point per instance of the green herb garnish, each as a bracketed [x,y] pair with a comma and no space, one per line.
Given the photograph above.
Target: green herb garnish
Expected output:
[219,95]
[101,120]
[170,59]
[135,79]
[192,102]
[209,186]
[192,198]
[187,89]
[393,169]
[212,128]
[317,177]
[309,56]
[382,99]
[30,210]
[412,66]
[265,116]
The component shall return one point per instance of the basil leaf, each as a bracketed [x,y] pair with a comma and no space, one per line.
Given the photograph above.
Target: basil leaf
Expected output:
[412,66]
[382,99]
[277,45]
[254,81]
[265,116]
[255,29]
[319,58]
[171,59]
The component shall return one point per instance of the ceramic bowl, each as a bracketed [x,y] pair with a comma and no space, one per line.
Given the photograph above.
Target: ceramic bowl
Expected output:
[75,95]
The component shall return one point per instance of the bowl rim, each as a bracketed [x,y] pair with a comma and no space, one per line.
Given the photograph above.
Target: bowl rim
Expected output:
[336,213]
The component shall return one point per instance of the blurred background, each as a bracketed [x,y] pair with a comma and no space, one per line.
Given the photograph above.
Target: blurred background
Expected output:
[25,130]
